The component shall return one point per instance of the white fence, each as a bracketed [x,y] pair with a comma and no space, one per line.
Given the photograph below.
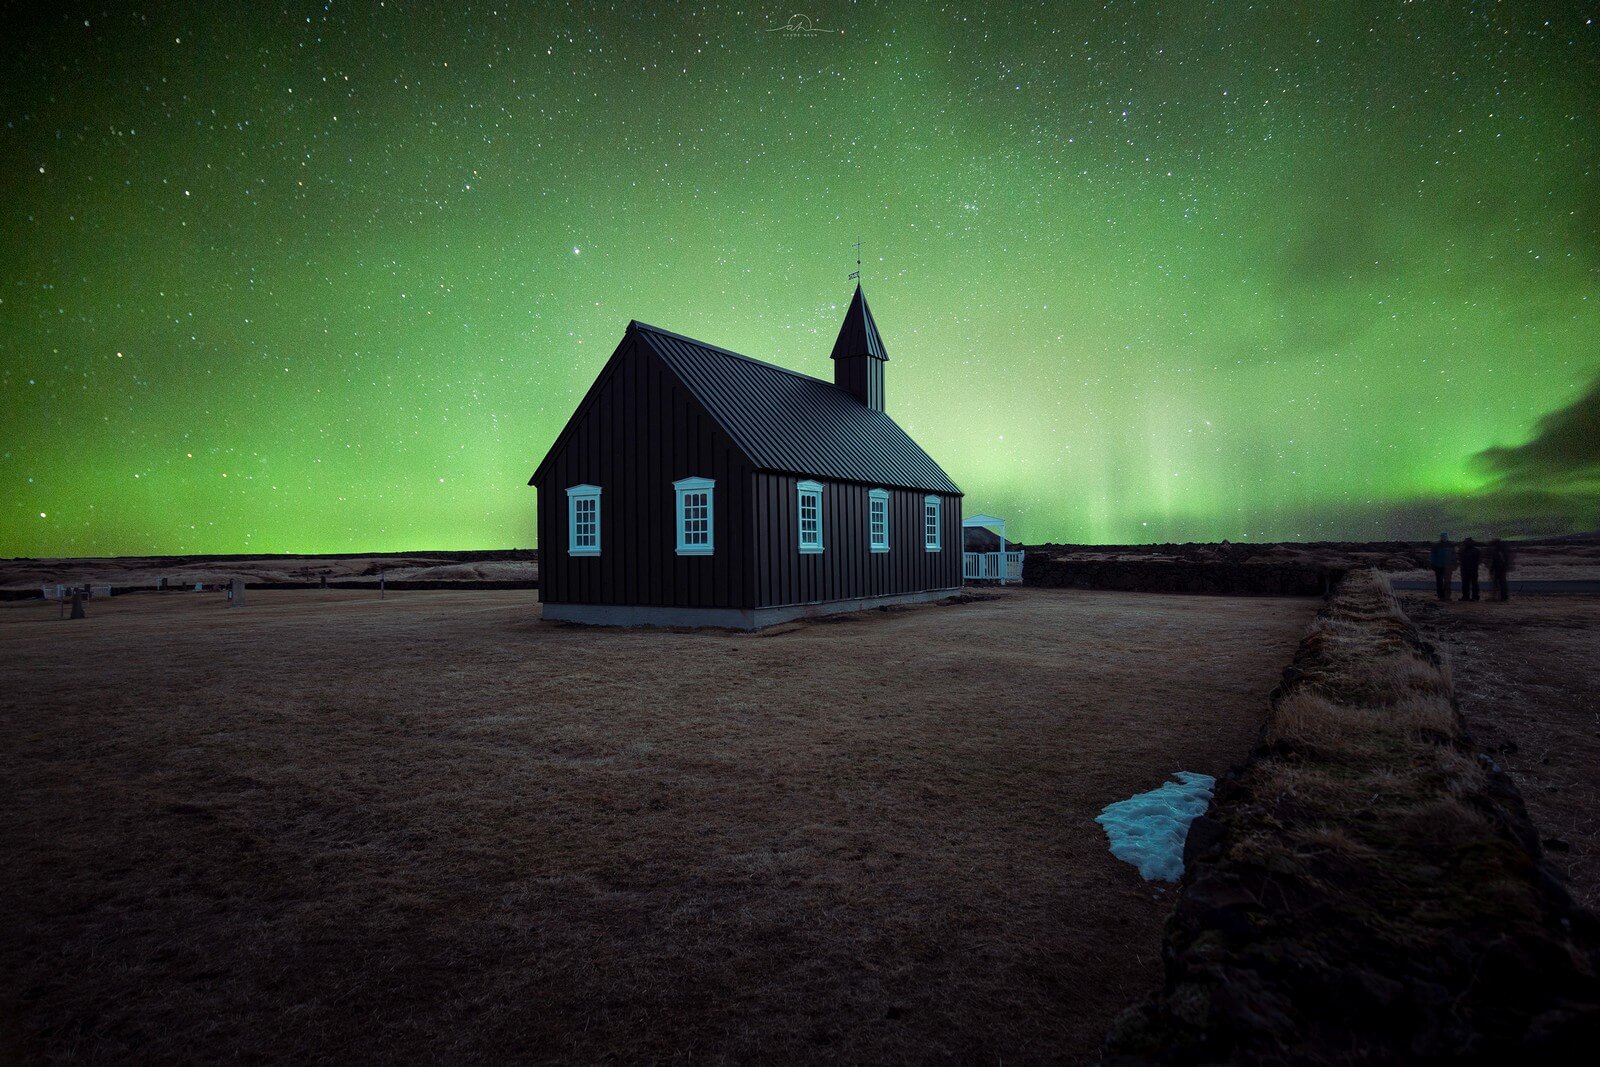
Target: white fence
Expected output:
[64,592]
[992,566]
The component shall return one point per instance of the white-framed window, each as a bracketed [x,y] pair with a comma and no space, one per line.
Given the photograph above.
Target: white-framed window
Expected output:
[583,520]
[930,523]
[696,512]
[811,516]
[878,520]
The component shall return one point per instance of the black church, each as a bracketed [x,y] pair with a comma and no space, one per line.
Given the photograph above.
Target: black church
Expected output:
[695,486]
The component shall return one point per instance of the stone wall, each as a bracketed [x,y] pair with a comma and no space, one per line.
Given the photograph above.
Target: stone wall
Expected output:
[1368,888]
[1181,576]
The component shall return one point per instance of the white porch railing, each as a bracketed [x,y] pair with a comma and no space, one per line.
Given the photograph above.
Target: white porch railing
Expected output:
[59,591]
[992,566]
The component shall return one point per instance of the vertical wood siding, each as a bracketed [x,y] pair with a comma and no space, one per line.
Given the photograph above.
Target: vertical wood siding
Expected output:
[639,432]
[862,378]
[847,568]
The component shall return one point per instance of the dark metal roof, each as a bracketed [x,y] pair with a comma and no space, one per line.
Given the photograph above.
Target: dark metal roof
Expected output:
[787,421]
[858,334]
[980,539]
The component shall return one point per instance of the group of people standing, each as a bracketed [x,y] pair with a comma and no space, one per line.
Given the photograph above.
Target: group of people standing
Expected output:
[1445,558]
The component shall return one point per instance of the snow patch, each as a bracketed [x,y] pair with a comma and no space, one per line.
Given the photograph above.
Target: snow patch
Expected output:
[1148,830]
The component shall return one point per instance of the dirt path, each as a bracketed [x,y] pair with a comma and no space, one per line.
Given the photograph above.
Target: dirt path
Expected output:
[325,826]
[1528,677]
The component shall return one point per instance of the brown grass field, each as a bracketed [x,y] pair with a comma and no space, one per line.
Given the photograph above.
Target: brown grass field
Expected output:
[434,827]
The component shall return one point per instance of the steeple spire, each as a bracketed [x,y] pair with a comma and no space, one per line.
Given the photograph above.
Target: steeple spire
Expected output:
[859,355]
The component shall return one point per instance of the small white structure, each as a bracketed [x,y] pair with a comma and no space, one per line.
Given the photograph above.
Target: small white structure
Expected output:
[999,566]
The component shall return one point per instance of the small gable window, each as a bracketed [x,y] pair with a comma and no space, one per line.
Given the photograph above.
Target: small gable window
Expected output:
[696,510]
[810,516]
[930,523]
[583,520]
[878,519]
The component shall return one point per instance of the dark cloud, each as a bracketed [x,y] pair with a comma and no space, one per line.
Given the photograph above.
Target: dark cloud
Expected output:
[1552,481]
[1564,450]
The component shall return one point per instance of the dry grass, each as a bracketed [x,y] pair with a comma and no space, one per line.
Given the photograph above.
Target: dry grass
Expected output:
[433,827]
[1367,767]
[1307,717]
[1369,718]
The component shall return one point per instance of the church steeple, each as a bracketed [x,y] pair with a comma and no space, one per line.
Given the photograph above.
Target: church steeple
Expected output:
[859,355]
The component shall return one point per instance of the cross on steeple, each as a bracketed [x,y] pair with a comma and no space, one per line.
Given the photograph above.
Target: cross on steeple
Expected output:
[855,275]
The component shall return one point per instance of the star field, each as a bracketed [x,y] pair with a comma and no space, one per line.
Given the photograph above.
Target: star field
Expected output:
[328,277]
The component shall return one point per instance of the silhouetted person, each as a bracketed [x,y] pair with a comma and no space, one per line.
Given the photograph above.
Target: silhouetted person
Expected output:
[1443,560]
[1500,568]
[1471,556]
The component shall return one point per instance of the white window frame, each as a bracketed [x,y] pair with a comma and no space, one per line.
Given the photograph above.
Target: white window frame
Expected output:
[811,491]
[683,487]
[878,499]
[932,508]
[575,494]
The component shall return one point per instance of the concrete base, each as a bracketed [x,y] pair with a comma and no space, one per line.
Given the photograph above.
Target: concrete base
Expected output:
[727,618]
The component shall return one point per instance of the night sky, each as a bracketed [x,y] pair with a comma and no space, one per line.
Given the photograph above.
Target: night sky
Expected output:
[332,277]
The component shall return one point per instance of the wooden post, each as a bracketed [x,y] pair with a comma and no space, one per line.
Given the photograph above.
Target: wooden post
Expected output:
[382,593]
[236,593]
[77,602]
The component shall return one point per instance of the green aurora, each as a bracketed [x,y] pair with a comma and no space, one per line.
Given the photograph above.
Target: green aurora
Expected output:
[330,278]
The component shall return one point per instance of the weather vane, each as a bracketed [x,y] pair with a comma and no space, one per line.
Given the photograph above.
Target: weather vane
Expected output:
[856,274]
